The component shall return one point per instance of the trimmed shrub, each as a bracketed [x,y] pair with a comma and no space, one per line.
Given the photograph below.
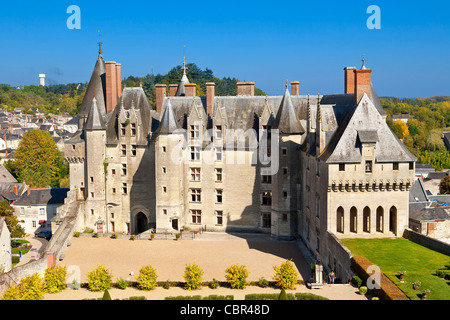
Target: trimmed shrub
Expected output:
[236,276]
[283,295]
[147,278]
[122,284]
[362,290]
[214,284]
[106,295]
[285,275]
[15,259]
[132,237]
[55,279]
[76,234]
[99,279]
[263,283]
[29,288]
[309,296]
[193,277]
[356,281]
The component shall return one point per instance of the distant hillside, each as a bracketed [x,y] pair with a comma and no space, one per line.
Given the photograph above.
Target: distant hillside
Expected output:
[67,98]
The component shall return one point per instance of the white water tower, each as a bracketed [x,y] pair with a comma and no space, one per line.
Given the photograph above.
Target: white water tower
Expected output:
[42,79]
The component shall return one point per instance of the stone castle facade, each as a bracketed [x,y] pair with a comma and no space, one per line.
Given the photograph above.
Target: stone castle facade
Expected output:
[316,167]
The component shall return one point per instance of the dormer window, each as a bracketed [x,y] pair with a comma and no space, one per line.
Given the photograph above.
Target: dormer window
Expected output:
[218,132]
[368,166]
[195,131]
[133,129]
[122,128]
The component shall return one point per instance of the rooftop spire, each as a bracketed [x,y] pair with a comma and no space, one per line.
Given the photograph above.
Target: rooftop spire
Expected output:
[184,59]
[363,62]
[99,43]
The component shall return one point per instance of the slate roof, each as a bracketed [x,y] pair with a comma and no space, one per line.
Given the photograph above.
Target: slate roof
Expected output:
[345,147]
[95,88]
[94,120]
[427,214]
[43,197]
[286,120]
[5,175]
[133,103]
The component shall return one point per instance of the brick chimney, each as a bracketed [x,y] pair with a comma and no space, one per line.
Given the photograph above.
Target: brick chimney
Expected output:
[362,83]
[295,88]
[190,89]
[160,95]
[349,74]
[15,190]
[358,81]
[118,80]
[210,93]
[111,85]
[246,88]
[173,89]
[28,191]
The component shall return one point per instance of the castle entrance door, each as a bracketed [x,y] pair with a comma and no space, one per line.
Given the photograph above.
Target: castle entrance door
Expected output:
[141,222]
[175,224]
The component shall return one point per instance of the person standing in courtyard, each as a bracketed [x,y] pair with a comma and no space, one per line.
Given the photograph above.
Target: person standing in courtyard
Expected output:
[331,277]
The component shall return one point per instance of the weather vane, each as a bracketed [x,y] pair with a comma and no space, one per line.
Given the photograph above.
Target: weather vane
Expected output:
[99,42]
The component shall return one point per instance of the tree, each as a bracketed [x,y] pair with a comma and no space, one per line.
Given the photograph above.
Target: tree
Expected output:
[444,185]
[11,220]
[38,160]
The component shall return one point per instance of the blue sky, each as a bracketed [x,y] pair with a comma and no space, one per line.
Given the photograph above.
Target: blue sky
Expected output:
[264,42]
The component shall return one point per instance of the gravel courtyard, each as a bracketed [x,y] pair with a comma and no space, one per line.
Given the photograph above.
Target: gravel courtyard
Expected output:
[213,252]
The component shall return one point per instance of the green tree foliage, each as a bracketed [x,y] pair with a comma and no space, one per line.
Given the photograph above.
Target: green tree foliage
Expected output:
[147,278]
[193,277]
[11,220]
[29,288]
[55,279]
[444,185]
[285,275]
[423,136]
[100,279]
[236,275]
[38,161]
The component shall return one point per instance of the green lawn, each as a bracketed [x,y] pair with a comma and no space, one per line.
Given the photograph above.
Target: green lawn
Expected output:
[395,255]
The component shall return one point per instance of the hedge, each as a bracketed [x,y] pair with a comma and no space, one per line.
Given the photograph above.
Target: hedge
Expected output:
[290,296]
[198,297]
[388,291]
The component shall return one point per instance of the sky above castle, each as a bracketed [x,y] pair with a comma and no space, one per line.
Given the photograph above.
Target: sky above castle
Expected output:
[406,43]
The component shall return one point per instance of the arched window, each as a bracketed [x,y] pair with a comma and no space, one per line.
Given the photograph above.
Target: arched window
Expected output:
[340,220]
[366,219]
[380,219]
[353,219]
[393,220]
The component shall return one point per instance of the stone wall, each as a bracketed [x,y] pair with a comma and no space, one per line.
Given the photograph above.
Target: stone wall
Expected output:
[338,258]
[426,241]
[55,248]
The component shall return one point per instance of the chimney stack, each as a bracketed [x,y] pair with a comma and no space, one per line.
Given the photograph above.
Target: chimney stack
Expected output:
[15,190]
[245,88]
[295,88]
[210,93]
[358,81]
[173,90]
[349,73]
[113,84]
[190,89]
[28,191]
[160,95]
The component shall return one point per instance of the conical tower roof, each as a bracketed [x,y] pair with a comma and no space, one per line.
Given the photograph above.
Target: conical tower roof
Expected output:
[286,120]
[94,120]
[96,88]
[168,121]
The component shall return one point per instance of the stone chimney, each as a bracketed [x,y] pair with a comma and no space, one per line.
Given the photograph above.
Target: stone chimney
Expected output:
[160,95]
[295,88]
[113,84]
[173,89]
[210,93]
[190,89]
[245,88]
